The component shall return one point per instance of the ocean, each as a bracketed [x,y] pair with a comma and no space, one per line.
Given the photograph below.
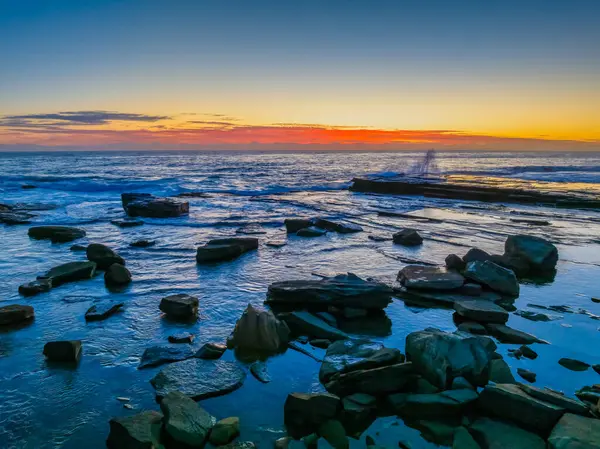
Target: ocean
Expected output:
[44,406]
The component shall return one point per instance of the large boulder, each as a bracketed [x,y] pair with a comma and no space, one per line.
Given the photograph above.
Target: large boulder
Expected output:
[102,310]
[304,413]
[103,256]
[519,266]
[15,313]
[305,323]
[35,287]
[218,250]
[141,431]
[159,355]
[342,228]
[69,272]
[491,434]
[429,278]
[225,430]
[480,310]
[493,276]
[377,381]
[441,356]
[407,237]
[540,254]
[117,276]
[56,234]
[199,379]
[63,351]
[185,421]
[260,332]
[344,290]
[575,432]
[180,306]
[146,205]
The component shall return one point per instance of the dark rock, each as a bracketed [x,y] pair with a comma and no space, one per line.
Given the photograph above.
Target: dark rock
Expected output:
[117,275]
[103,256]
[159,355]
[15,217]
[475,254]
[258,331]
[472,328]
[528,353]
[464,440]
[102,310]
[529,376]
[375,323]
[493,276]
[589,394]
[28,186]
[185,421]
[574,365]
[180,306]
[340,291]
[304,413]
[481,310]
[184,337]
[56,234]
[251,229]
[503,400]
[471,289]
[436,431]
[490,434]
[141,431]
[320,343]
[407,237]
[211,351]
[454,262]
[596,300]
[78,248]
[519,266]
[552,397]
[334,433]
[352,313]
[358,412]
[342,228]
[259,371]
[142,243]
[500,372]
[509,335]
[63,351]
[535,316]
[127,223]
[460,383]
[218,250]
[379,238]
[424,298]
[429,278]
[15,314]
[575,432]
[225,431]
[146,205]
[276,243]
[69,272]
[540,254]
[451,403]
[293,225]
[199,379]
[441,356]
[311,232]
[596,368]
[35,287]
[305,323]
[239,445]
[377,381]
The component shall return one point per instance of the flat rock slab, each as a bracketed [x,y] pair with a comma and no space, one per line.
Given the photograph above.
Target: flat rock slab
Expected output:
[69,272]
[305,323]
[560,400]
[127,223]
[15,313]
[183,337]
[159,355]
[218,250]
[377,382]
[345,290]
[35,287]
[56,234]
[433,405]
[575,432]
[147,205]
[429,278]
[491,434]
[342,228]
[507,334]
[199,379]
[430,298]
[102,310]
[574,365]
[481,310]
[311,232]
[493,276]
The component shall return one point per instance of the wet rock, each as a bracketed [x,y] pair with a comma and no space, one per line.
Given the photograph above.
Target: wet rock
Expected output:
[199,379]
[574,365]
[596,368]
[211,351]
[358,412]
[341,291]
[293,225]
[447,404]
[509,335]
[528,353]
[464,440]
[102,310]
[184,337]
[376,323]
[500,372]
[185,421]
[342,228]
[225,431]
[460,383]
[56,234]
[526,374]
[103,256]
[589,394]
[519,266]
[493,276]
[141,431]
[127,223]
[377,381]
[441,356]
[180,306]
[69,272]
[305,323]
[146,205]
[15,313]
[311,232]
[379,238]
[117,276]
[535,316]
[436,431]
[15,217]
[475,254]
[407,237]
[218,250]
[481,310]
[454,262]
[159,355]
[63,351]
[472,328]
[471,289]
[575,432]
[304,413]
[276,243]
[260,332]
[239,445]
[429,278]
[430,298]
[540,254]
[259,371]
[142,243]
[490,434]
[251,229]
[502,400]
[35,287]
[320,343]
[560,400]
[334,433]
[78,248]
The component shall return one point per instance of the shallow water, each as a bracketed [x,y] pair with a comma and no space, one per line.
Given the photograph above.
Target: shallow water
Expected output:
[45,406]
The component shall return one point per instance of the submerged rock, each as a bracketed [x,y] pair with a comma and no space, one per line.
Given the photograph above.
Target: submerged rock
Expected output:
[142,243]
[526,374]
[536,316]
[199,379]
[407,237]
[259,331]
[507,334]
[259,371]
[225,431]
[305,323]
[429,278]
[184,420]
[540,254]
[103,256]
[184,337]
[63,351]
[491,434]
[56,234]
[341,291]
[69,272]
[311,232]
[141,431]
[159,355]
[575,432]
[147,205]
[127,223]
[304,413]
[493,276]
[15,313]
[218,250]
[35,287]
[574,365]
[342,228]
[211,351]
[78,248]
[102,310]
[117,275]
[481,310]
[180,306]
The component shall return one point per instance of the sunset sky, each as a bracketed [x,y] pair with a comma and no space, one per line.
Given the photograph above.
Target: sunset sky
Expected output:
[502,75]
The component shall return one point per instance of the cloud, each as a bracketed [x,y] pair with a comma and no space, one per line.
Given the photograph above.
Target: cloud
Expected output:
[76,118]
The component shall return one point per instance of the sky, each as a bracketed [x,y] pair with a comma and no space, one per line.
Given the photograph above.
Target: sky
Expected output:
[243,74]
